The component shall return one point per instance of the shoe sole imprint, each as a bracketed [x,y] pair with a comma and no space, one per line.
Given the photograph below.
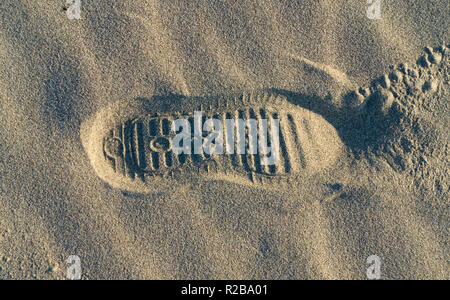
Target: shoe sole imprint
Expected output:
[129,144]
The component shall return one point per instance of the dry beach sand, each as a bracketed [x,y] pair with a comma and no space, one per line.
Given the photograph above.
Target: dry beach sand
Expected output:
[371,177]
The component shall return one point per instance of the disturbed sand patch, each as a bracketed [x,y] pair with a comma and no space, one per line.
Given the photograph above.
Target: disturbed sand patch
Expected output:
[120,139]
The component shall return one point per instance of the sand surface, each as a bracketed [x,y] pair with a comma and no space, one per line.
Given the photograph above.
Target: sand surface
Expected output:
[383,184]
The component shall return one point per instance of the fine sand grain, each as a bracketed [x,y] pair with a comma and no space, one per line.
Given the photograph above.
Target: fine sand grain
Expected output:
[364,114]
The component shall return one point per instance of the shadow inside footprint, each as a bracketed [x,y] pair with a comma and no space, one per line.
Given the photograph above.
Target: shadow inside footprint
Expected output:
[361,128]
